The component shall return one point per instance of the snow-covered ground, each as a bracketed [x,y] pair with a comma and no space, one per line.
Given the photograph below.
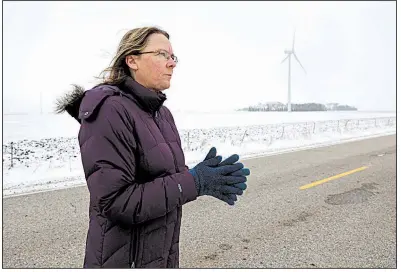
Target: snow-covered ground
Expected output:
[45,151]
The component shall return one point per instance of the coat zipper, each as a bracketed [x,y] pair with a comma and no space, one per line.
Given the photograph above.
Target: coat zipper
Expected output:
[134,247]
[131,253]
[136,233]
[171,149]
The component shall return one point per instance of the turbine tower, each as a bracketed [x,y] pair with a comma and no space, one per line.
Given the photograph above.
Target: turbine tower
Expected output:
[289,53]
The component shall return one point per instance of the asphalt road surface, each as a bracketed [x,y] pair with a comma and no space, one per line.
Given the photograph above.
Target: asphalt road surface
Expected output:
[346,222]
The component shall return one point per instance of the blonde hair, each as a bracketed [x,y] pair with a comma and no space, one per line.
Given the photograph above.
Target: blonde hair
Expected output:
[134,41]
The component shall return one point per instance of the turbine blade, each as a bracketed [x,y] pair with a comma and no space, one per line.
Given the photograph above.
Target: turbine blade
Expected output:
[285,58]
[299,62]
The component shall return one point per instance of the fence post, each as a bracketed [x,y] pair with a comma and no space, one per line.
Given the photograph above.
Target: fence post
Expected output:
[314,125]
[188,146]
[12,158]
[306,130]
[243,137]
[346,125]
[338,126]
[282,134]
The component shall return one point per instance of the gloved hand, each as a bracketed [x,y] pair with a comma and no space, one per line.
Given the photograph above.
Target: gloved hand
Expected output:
[231,160]
[214,178]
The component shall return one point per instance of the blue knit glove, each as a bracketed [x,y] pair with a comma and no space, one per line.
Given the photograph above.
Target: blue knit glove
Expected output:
[242,172]
[230,160]
[214,177]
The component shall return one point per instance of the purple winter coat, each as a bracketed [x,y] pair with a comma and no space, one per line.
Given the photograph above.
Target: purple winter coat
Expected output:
[136,175]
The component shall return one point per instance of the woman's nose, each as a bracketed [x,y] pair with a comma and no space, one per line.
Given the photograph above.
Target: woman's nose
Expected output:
[171,63]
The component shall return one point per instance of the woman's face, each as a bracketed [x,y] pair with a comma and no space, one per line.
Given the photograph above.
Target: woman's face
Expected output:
[153,70]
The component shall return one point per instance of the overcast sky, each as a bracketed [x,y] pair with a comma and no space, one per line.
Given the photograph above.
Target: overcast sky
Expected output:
[229,53]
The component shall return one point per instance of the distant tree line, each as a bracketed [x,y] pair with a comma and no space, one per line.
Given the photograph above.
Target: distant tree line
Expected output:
[308,107]
[345,107]
[277,106]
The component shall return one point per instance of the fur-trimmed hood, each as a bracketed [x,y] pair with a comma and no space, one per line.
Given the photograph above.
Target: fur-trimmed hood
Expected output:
[71,101]
[82,104]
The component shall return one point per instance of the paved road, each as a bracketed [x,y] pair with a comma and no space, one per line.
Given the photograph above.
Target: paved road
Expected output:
[349,222]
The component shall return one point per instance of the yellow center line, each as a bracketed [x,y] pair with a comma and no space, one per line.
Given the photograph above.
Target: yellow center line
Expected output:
[307,186]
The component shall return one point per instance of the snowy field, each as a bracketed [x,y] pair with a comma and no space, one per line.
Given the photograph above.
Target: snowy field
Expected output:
[41,152]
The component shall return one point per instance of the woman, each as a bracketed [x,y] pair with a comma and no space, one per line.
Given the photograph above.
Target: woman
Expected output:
[133,161]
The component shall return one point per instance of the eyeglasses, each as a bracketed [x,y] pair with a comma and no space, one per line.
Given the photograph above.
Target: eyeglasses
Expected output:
[162,53]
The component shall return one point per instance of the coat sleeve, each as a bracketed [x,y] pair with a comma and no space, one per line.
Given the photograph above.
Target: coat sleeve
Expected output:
[108,157]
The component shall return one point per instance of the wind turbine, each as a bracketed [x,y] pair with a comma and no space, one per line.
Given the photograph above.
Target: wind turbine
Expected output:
[289,53]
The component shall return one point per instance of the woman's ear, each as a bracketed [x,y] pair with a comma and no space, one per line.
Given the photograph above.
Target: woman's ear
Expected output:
[131,62]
